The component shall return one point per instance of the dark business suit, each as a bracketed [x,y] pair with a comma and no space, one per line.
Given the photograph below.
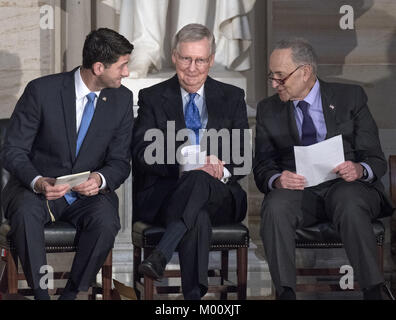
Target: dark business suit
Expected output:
[41,140]
[197,198]
[345,112]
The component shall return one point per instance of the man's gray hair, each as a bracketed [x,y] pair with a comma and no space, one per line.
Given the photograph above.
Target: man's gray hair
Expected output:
[302,52]
[194,32]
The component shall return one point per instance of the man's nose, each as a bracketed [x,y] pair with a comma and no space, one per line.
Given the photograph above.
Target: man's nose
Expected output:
[192,66]
[275,84]
[125,72]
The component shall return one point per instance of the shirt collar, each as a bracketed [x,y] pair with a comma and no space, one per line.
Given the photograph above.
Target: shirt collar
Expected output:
[200,92]
[312,95]
[81,89]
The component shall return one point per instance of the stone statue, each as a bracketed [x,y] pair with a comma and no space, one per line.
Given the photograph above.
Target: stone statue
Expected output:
[146,23]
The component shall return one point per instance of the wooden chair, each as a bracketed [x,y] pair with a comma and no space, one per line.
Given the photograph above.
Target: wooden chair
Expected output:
[59,237]
[224,238]
[324,236]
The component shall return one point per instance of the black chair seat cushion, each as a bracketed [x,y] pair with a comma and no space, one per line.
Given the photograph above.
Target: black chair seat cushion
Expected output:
[325,235]
[228,236]
[59,237]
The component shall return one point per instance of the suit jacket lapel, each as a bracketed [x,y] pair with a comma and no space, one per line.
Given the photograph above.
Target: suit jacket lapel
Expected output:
[214,99]
[329,110]
[69,109]
[292,121]
[173,103]
[101,115]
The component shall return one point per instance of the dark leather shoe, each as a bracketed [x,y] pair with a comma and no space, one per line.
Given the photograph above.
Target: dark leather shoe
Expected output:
[154,265]
[287,294]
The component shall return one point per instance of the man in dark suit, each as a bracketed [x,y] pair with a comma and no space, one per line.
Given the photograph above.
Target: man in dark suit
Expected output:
[304,111]
[63,124]
[188,203]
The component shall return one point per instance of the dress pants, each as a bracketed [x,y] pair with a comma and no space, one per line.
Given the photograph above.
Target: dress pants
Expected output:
[95,219]
[350,206]
[201,202]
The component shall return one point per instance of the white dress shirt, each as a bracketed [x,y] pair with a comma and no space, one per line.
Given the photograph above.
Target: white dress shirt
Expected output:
[203,113]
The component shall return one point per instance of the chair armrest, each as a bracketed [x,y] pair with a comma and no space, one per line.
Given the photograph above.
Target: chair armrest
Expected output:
[392,177]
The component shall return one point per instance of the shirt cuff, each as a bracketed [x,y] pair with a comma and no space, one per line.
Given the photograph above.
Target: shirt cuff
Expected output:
[34,182]
[272,179]
[226,175]
[370,172]
[104,185]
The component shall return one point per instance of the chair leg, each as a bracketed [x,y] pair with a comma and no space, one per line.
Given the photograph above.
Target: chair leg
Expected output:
[3,275]
[107,275]
[148,288]
[242,272]
[381,257]
[224,272]
[137,258]
[12,272]
[148,282]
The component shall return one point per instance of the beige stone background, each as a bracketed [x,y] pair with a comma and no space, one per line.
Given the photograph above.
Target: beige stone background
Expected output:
[365,55]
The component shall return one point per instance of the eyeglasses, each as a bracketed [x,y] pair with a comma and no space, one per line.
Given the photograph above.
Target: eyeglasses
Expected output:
[187,61]
[281,82]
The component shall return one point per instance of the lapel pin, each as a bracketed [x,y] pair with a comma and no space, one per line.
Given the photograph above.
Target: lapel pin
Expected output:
[331,107]
[104,99]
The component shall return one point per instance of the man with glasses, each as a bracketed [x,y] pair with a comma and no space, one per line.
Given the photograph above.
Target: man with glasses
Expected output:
[304,111]
[188,203]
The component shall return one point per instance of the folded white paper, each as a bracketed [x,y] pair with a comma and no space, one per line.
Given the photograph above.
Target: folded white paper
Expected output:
[315,162]
[73,179]
[192,158]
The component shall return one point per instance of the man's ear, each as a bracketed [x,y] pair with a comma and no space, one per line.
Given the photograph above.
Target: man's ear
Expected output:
[174,57]
[308,71]
[211,60]
[98,68]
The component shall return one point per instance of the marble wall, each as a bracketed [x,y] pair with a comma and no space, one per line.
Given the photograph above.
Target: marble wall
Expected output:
[25,49]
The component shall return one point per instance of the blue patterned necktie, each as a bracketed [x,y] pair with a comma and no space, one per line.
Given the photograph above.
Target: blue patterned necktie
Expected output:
[89,110]
[192,117]
[308,131]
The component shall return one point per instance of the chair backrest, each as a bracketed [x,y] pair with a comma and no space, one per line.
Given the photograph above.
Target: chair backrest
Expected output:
[392,178]
[4,174]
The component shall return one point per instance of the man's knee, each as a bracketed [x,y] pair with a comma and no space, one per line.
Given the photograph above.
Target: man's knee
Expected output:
[279,204]
[27,208]
[196,176]
[280,208]
[102,217]
[351,202]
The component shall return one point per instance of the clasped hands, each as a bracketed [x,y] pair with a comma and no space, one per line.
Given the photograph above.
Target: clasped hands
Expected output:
[89,188]
[213,166]
[348,170]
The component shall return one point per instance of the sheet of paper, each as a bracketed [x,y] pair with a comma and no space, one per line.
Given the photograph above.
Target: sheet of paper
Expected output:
[315,162]
[73,179]
[192,158]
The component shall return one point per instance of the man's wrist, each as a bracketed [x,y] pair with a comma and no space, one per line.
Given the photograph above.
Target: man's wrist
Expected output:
[97,178]
[365,173]
[276,183]
[34,184]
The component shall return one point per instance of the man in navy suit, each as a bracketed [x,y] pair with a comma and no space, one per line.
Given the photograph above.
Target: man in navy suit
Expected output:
[188,203]
[63,124]
[306,110]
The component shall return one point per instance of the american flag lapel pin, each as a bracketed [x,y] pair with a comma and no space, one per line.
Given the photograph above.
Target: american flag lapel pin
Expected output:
[331,107]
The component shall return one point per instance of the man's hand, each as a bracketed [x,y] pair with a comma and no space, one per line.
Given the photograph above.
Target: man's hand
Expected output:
[214,167]
[349,171]
[46,187]
[290,180]
[91,186]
